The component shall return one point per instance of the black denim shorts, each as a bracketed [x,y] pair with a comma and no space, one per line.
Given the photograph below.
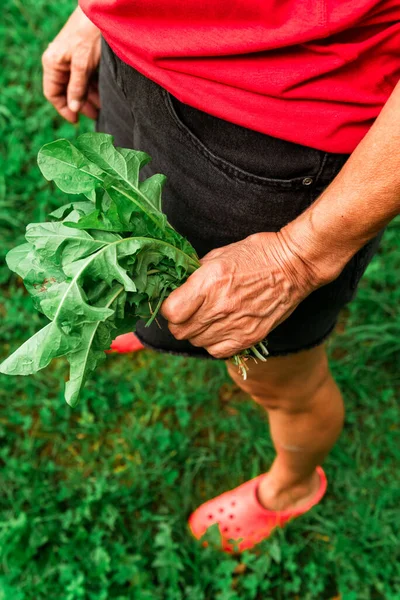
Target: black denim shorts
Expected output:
[224,182]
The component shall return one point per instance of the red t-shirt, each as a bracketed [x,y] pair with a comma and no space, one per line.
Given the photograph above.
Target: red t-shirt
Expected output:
[315,72]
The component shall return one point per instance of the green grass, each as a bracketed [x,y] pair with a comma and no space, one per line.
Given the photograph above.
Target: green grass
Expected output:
[94,501]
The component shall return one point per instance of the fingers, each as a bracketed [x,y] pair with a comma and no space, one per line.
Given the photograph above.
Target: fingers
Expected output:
[225,349]
[55,81]
[69,62]
[91,107]
[189,330]
[89,110]
[184,302]
[78,81]
[93,95]
[66,90]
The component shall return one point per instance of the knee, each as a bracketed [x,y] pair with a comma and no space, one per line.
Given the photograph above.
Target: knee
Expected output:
[290,397]
[292,392]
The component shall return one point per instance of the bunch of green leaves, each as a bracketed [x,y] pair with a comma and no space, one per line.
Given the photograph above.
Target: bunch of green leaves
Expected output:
[101,264]
[84,269]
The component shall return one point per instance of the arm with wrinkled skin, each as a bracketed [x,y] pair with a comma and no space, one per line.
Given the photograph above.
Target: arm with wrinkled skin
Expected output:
[360,201]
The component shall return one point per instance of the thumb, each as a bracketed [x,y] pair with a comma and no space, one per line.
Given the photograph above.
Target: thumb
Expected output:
[183,302]
[78,82]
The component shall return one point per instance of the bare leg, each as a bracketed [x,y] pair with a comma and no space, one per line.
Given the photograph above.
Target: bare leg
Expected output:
[305,411]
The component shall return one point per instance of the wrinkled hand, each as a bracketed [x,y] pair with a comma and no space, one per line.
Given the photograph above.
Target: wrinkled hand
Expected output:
[69,63]
[239,294]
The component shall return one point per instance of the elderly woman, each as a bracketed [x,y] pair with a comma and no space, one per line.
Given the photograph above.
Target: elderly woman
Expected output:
[277,124]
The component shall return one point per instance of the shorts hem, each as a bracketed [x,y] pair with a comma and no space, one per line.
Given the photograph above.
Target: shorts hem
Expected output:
[272,353]
[174,352]
[309,346]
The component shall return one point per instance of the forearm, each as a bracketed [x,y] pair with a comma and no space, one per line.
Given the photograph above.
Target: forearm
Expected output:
[359,202]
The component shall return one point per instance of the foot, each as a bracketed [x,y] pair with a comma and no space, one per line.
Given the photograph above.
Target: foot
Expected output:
[275,495]
[241,516]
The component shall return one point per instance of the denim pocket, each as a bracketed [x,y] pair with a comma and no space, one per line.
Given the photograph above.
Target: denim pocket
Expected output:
[315,159]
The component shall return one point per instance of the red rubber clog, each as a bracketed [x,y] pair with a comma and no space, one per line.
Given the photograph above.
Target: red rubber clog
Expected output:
[241,516]
[126,343]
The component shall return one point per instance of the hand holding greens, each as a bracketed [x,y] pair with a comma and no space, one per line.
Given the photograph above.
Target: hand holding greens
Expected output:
[100,264]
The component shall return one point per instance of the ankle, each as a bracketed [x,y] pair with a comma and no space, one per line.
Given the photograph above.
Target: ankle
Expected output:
[276,494]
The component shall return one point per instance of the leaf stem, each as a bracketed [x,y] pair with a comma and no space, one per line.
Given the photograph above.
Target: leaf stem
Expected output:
[258,354]
[157,308]
[263,348]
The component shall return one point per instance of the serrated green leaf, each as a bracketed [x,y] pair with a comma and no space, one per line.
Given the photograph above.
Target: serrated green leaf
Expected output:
[121,163]
[101,221]
[37,352]
[86,358]
[17,259]
[47,238]
[103,265]
[39,273]
[63,163]
[152,189]
[81,208]
[68,304]
[72,168]
[120,215]
[161,250]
